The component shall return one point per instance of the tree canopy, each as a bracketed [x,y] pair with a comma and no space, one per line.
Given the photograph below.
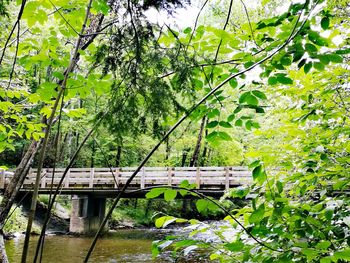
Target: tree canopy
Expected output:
[261,84]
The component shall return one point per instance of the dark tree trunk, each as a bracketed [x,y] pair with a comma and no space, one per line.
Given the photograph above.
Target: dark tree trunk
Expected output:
[167,150]
[16,182]
[118,156]
[92,162]
[203,160]
[184,157]
[194,159]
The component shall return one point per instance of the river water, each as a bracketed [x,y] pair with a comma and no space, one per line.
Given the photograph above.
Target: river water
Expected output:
[119,246]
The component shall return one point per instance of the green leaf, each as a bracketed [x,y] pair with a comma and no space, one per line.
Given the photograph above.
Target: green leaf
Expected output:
[155,192]
[164,221]
[343,254]
[257,172]
[202,205]
[272,81]
[286,61]
[225,124]
[212,124]
[239,192]
[254,164]
[310,253]
[239,123]
[307,67]
[310,48]
[213,113]
[238,109]
[323,244]
[235,246]
[248,98]
[257,215]
[248,125]
[319,66]
[325,23]
[188,30]
[284,80]
[279,186]
[211,136]
[335,58]
[233,83]
[259,94]
[58,75]
[224,136]
[317,39]
[231,117]
[324,59]
[170,194]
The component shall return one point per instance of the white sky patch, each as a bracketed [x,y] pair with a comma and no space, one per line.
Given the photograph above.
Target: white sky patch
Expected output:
[182,18]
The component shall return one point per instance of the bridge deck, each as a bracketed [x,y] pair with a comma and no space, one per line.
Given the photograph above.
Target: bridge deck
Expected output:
[102,180]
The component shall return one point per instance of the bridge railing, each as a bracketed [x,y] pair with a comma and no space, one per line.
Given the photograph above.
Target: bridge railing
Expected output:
[203,177]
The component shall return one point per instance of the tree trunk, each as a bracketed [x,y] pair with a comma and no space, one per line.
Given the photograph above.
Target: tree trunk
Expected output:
[194,159]
[11,192]
[184,157]
[92,162]
[3,257]
[167,150]
[16,182]
[203,160]
[118,156]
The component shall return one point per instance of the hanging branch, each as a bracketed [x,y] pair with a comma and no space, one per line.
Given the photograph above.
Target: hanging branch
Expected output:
[195,24]
[203,196]
[15,56]
[41,246]
[249,22]
[292,35]
[70,68]
[71,163]
[20,13]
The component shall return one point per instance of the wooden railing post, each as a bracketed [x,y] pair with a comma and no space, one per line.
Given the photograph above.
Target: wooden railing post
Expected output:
[2,179]
[66,182]
[170,175]
[143,175]
[92,174]
[43,179]
[227,178]
[116,177]
[198,179]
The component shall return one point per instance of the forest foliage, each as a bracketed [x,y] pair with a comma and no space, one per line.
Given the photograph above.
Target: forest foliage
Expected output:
[259,85]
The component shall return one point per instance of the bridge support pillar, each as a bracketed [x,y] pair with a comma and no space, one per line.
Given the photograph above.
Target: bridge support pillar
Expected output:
[87,214]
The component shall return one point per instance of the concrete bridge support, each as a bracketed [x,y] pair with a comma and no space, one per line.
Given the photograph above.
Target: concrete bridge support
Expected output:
[87,213]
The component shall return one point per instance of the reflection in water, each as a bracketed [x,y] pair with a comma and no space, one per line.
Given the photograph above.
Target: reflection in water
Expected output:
[121,246]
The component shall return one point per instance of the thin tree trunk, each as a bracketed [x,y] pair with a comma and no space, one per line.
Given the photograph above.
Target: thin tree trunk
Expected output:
[167,150]
[12,189]
[184,157]
[92,160]
[3,256]
[118,156]
[194,159]
[72,64]
[16,182]
[203,160]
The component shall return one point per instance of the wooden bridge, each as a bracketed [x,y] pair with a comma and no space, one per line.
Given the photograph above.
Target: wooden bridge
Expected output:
[90,187]
[107,181]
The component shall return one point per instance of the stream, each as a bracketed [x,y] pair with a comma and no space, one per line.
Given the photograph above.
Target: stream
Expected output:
[119,246]
[130,245]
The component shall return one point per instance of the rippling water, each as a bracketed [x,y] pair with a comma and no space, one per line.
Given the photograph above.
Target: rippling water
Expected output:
[120,246]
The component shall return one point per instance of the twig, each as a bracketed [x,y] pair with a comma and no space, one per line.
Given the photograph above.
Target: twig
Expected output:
[15,56]
[293,33]
[13,29]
